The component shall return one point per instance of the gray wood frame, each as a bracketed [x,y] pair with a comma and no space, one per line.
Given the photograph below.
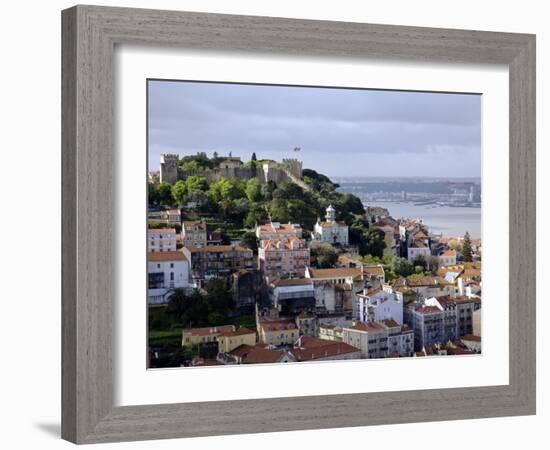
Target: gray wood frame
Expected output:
[89,36]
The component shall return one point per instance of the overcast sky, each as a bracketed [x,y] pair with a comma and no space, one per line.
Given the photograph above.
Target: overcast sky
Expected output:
[341,132]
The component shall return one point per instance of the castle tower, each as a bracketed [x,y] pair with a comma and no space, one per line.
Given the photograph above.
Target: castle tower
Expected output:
[331,214]
[169,168]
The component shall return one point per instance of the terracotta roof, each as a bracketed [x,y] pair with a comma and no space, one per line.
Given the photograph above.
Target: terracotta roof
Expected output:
[258,354]
[419,282]
[161,230]
[282,228]
[328,350]
[471,337]
[192,223]
[449,252]
[377,271]
[241,350]
[218,249]
[279,324]
[291,282]
[209,331]
[367,327]
[342,272]
[390,323]
[165,256]
[242,331]
[429,310]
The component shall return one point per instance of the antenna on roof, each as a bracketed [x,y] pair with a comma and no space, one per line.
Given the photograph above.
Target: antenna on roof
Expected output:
[297,149]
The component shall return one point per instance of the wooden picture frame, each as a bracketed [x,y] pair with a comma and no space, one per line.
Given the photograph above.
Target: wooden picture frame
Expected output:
[90,34]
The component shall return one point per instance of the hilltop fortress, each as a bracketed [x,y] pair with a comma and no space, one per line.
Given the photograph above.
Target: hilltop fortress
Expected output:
[233,168]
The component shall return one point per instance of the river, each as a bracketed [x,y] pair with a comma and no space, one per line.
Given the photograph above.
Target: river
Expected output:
[451,221]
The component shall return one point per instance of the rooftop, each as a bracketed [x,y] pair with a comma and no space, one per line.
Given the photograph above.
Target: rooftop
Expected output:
[165,256]
[342,272]
[161,230]
[280,282]
[218,249]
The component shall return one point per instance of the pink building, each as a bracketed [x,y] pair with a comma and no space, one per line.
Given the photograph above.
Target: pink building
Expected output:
[278,231]
[286,258]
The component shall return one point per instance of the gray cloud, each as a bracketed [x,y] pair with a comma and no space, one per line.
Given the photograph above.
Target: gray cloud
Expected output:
[341,131]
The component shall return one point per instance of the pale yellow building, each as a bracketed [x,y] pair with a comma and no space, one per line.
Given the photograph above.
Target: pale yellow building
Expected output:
[230,340]
[193,233]
[278,331]
[195,336]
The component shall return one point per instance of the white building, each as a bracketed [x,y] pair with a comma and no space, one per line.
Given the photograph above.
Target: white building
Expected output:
[161,240]
[447,258]
[380,339]
[336,289]
[330,230]
[378,304]
[418,249]
[165,271]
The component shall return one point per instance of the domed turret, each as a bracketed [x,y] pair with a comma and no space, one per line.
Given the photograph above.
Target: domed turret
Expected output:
[331,214]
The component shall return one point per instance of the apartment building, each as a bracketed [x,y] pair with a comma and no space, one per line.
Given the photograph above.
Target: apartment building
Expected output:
[161,240]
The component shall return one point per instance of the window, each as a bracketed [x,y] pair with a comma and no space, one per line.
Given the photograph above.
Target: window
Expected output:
[171,265]
[171,276]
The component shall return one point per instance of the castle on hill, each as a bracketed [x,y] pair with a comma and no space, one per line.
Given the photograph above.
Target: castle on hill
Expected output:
[232,168]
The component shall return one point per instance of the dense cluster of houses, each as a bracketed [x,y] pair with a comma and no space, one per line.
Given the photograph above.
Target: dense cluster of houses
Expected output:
[304,313]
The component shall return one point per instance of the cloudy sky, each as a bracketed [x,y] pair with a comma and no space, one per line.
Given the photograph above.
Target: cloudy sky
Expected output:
[341,132]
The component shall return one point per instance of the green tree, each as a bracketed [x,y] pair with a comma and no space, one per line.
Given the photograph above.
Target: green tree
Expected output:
[196,312]
[218,296]
[249,240]
[370,260]
[152,194]
[324,253]
[179,190]
[288,191]
[254,190]
[375,242]
[164,193]
[196,183]
[225,190]
[467,248]
[420,261]
[177,304]
[255,214]
[191,167]
[401,267]
[253,158]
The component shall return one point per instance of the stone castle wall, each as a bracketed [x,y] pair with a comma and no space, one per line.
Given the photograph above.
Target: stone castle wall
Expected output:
[170,172]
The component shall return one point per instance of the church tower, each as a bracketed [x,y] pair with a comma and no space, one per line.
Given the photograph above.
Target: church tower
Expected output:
[331,214]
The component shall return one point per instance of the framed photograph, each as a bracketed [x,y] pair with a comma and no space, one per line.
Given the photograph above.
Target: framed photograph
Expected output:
[278,224]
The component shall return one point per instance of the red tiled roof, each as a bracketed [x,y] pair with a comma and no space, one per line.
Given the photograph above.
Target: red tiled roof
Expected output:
[377,270]
[329,350]
[291,282]
[471,337]
[242,331]
[165,256]
[161,230]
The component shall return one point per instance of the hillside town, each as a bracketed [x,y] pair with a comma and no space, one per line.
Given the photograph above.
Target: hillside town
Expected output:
[262,261]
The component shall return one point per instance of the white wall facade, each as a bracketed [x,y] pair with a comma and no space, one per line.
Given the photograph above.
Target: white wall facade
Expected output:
[174,274]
